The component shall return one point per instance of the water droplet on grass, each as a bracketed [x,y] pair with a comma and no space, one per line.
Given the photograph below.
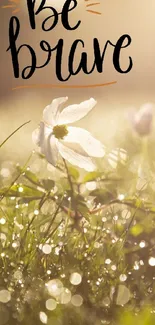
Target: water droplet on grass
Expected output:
[5,296]
[75,278]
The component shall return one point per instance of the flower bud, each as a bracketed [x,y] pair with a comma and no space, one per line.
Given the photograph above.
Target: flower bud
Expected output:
[142,120]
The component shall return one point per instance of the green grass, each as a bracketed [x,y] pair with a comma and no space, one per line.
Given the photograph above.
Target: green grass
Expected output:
[58,225]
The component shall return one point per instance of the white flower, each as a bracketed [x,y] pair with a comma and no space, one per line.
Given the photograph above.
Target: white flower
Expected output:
[142,120]
[74,144]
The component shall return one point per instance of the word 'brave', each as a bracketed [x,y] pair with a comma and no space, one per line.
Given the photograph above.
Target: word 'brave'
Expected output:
[48,25]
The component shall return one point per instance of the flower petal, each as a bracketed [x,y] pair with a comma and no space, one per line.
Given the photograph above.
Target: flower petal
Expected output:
[44,138]
[75,158]
[92,147]
[51,150]
[76,112]
[52,111]
[36,136]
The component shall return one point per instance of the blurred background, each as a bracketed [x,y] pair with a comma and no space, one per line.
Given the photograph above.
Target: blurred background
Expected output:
[108,119]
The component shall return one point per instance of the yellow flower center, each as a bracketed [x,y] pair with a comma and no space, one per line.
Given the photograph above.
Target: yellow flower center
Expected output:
[60,131]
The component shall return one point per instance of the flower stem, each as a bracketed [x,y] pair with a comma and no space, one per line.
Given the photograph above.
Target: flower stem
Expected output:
[69,177]
[141,167]
[144,153]
[13,133]
[72,189]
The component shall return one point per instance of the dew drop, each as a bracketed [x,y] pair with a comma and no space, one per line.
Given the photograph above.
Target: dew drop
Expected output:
[65,296]
[152,261]
[2,221]
[5,296]
[18,275]
[97,245]
[136,266]
[51,304]
[54,287]
[20,189]
[123,295]
[107,261]
[121,197]
[46,249]
[5,172]
[123,277]
[49,272]
[43,317]
[75,278]
[77,300]
[142,244]
[15,244]
[113,267]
